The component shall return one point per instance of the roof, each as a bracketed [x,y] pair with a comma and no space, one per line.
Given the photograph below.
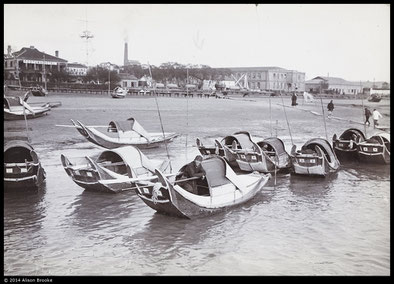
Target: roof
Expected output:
[76,65]
[125,76]
[257,68]
[333,81]
[31,53]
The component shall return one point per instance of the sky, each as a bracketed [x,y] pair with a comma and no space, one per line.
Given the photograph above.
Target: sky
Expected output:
[351,41]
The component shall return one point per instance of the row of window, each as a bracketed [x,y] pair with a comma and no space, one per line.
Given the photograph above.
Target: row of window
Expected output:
[262,75]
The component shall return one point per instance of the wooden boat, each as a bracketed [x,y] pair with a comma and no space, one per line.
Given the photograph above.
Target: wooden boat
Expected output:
[124,133]
[39,91]
[345,147]
[220,190]
[316,158]
[375,98]
[22,168]
[119,93]
[113,170]
[375,149]
[15,108]
[266,156]
[228,146]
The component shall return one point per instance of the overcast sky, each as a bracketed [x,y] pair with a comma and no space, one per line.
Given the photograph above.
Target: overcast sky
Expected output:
[348,41]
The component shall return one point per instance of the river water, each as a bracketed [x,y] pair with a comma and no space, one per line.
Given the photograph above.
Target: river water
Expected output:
[300,226]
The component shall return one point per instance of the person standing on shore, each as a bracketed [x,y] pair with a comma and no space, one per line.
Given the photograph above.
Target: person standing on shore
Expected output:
[294,99]
[330,108]
[367,115]
[376,115]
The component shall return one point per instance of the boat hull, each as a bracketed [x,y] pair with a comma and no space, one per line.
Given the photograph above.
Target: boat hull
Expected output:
[381,156]
[8,115]
[172,201]
[101,141]
[33,181]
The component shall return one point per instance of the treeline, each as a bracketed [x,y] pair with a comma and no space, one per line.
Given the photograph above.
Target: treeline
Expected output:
[172,72]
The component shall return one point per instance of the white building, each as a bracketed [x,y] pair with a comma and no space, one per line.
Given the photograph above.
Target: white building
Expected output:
[76,69]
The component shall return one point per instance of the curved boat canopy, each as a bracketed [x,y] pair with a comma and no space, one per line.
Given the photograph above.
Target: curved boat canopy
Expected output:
[381,137]
[10,102]
[347,134]
[219,173]
[242,138]
[275,143]
[21,155]
[325,147]
[130,155]
[128,126]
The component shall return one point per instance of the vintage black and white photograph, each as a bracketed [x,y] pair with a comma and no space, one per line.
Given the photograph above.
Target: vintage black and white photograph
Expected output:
[196,140]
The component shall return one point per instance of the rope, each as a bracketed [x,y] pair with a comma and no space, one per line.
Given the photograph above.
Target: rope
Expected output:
[161,123]
[187,118]
[162,130]
[270,116]
[362,111]
[288,125]
[324,117]
[24,114]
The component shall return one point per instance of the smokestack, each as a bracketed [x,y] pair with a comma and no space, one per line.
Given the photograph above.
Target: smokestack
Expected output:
[9,50]
[57,53]
[126,55]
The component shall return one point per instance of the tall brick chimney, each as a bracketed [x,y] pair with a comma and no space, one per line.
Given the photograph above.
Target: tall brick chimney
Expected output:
[57,53]
[9,50]
[126,54]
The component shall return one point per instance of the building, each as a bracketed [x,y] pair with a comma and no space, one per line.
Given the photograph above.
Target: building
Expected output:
[110,66]
[270,78]
[126,61]
[76,69]
[31,65]
[333,85]
[128,81]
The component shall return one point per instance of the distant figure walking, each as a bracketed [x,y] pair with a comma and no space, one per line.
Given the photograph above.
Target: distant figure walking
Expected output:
[294,99]
[330,108]
[367,116]
[376,115]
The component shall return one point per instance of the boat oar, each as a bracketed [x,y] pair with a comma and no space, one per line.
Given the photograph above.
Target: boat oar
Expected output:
[137,179]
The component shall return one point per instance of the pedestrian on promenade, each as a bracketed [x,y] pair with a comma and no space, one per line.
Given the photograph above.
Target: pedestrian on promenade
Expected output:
[294,99]
[330,108]
[367,115]
[376,115]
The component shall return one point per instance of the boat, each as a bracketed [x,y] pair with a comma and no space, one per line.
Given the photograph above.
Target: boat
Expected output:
[22,168]
[266,156]
[375,98]
[112,170]
[228,146]
[124,133]
[15,108]
[375,149]
[345,147]
[119,93]
[38,91]
[221,189]
[316,158]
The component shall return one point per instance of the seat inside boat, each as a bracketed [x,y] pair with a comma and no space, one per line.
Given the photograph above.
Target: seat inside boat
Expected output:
[112,162]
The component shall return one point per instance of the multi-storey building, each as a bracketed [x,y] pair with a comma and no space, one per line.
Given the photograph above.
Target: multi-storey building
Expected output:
[270,78]
[30,64]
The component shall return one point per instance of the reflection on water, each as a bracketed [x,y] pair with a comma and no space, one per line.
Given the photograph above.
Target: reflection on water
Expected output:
[24,208]
[308,186]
